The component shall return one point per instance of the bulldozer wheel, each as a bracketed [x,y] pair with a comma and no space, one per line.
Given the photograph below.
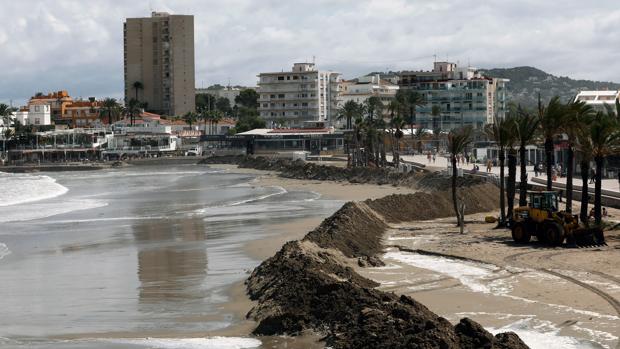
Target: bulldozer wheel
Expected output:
[554,233]
[520,234]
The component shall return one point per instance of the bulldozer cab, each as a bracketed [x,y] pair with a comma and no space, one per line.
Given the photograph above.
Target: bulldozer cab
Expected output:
[544,200]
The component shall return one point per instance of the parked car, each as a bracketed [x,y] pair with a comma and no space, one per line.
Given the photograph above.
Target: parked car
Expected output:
[195,151]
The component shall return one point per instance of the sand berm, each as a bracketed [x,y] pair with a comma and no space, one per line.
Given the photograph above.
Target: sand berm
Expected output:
[311,286]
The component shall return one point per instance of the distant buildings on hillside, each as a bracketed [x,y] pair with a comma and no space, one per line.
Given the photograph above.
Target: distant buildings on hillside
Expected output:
[59,108]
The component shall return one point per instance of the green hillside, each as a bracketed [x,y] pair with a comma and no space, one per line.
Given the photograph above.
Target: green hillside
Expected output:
[526,82]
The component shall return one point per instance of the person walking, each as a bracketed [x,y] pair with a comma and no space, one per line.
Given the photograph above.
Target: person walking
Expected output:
[535,170]
[434,158]
[489,166]
[592,175]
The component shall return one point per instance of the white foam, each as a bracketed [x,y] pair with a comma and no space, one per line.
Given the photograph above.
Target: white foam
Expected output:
[4,250]
[262,197]
[21,188]
[469,274]
[543,335]
[192,343]
[32,211]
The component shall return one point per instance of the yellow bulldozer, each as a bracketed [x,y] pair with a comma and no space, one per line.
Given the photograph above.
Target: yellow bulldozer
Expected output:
[543,219]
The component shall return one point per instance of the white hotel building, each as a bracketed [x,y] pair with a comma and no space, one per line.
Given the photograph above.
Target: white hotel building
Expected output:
[303,95]
[598,99]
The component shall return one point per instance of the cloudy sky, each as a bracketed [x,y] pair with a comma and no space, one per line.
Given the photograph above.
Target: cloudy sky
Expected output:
[76,45]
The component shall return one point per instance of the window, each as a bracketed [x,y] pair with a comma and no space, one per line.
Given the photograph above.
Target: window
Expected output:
[265,105]
[295,77]
[283,105]
[304,104]
[281,96]
[273,96]
[280,78]
[288,77]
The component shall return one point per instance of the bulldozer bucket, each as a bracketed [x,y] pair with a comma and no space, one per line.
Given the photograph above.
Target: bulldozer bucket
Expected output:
[587,237]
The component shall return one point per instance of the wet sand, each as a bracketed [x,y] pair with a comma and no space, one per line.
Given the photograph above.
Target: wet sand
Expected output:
[566,297]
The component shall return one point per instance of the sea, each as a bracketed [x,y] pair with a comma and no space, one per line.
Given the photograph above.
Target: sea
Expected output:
[102,259]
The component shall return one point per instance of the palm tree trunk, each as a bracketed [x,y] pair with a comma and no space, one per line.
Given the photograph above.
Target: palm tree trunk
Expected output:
[502,193]
[585,167]
[570,163]
[549,160]
[523,181]
[512,178]
[454,199]
[597,189]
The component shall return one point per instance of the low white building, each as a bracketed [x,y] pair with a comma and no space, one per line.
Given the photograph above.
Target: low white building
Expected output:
[37,113]
[598,99]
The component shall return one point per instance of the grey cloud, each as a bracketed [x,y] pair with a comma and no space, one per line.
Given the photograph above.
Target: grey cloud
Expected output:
[77,45]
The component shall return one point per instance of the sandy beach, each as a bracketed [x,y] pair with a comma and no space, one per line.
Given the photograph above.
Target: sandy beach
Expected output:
[547,295]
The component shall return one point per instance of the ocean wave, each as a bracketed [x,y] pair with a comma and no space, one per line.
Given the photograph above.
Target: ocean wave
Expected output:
[259,198]
[23,188]
[4,251]
[192,343]
[33,211]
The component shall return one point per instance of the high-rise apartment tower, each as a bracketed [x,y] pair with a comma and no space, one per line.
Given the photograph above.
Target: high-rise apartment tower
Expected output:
[159,62]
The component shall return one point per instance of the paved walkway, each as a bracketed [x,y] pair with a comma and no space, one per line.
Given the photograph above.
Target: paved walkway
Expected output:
[441,163]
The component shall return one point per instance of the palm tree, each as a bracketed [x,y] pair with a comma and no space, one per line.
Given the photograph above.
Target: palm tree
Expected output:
[499,131]
[584,146]
[374,107]
[133,109]
[5,115]
[511,125]
[458,141]
[526,127]
[436,112]
[551,120]
[396,125]
[190,117]
[110,107]
[414,99]
[605,136]
[137,85]
[578,115]
[419,137]
[349,111]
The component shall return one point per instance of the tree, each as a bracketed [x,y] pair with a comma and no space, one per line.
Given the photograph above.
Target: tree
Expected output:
[420,135]
[436,112]
[247,98]
[526,128]
[5,115]
[204,101]
[397,123]
[223,105]
[605,136]
[349,111]
[248,122]
[511,132]
[499,131]
[551,119]
[578,116]
[111,108]
[458,140]
[137,85]
[414,99]
[374,108]
[133,109]
[190,117]
[584,147]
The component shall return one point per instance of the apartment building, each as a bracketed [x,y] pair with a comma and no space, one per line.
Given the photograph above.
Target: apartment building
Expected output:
[38,113]
[299,96]
[159,54]
[464,96]
[361,89]
[598,99]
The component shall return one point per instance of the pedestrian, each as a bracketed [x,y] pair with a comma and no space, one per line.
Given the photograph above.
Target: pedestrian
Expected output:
[592,175]
[536,170]
[604,212]
[489,166]
[428,157]
[434,158]
[559,169]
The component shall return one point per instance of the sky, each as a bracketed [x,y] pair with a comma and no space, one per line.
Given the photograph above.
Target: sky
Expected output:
[77,45]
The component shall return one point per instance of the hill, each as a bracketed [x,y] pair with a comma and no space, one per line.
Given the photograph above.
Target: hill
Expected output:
[526,82]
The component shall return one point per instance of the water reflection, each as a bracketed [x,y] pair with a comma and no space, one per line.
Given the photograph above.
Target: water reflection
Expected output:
[172,260]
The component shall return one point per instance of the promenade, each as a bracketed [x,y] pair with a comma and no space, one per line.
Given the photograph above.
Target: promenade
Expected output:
[441,163]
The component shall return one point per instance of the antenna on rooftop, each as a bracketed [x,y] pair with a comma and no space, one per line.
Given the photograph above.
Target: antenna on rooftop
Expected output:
[435,58]
[313,59]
